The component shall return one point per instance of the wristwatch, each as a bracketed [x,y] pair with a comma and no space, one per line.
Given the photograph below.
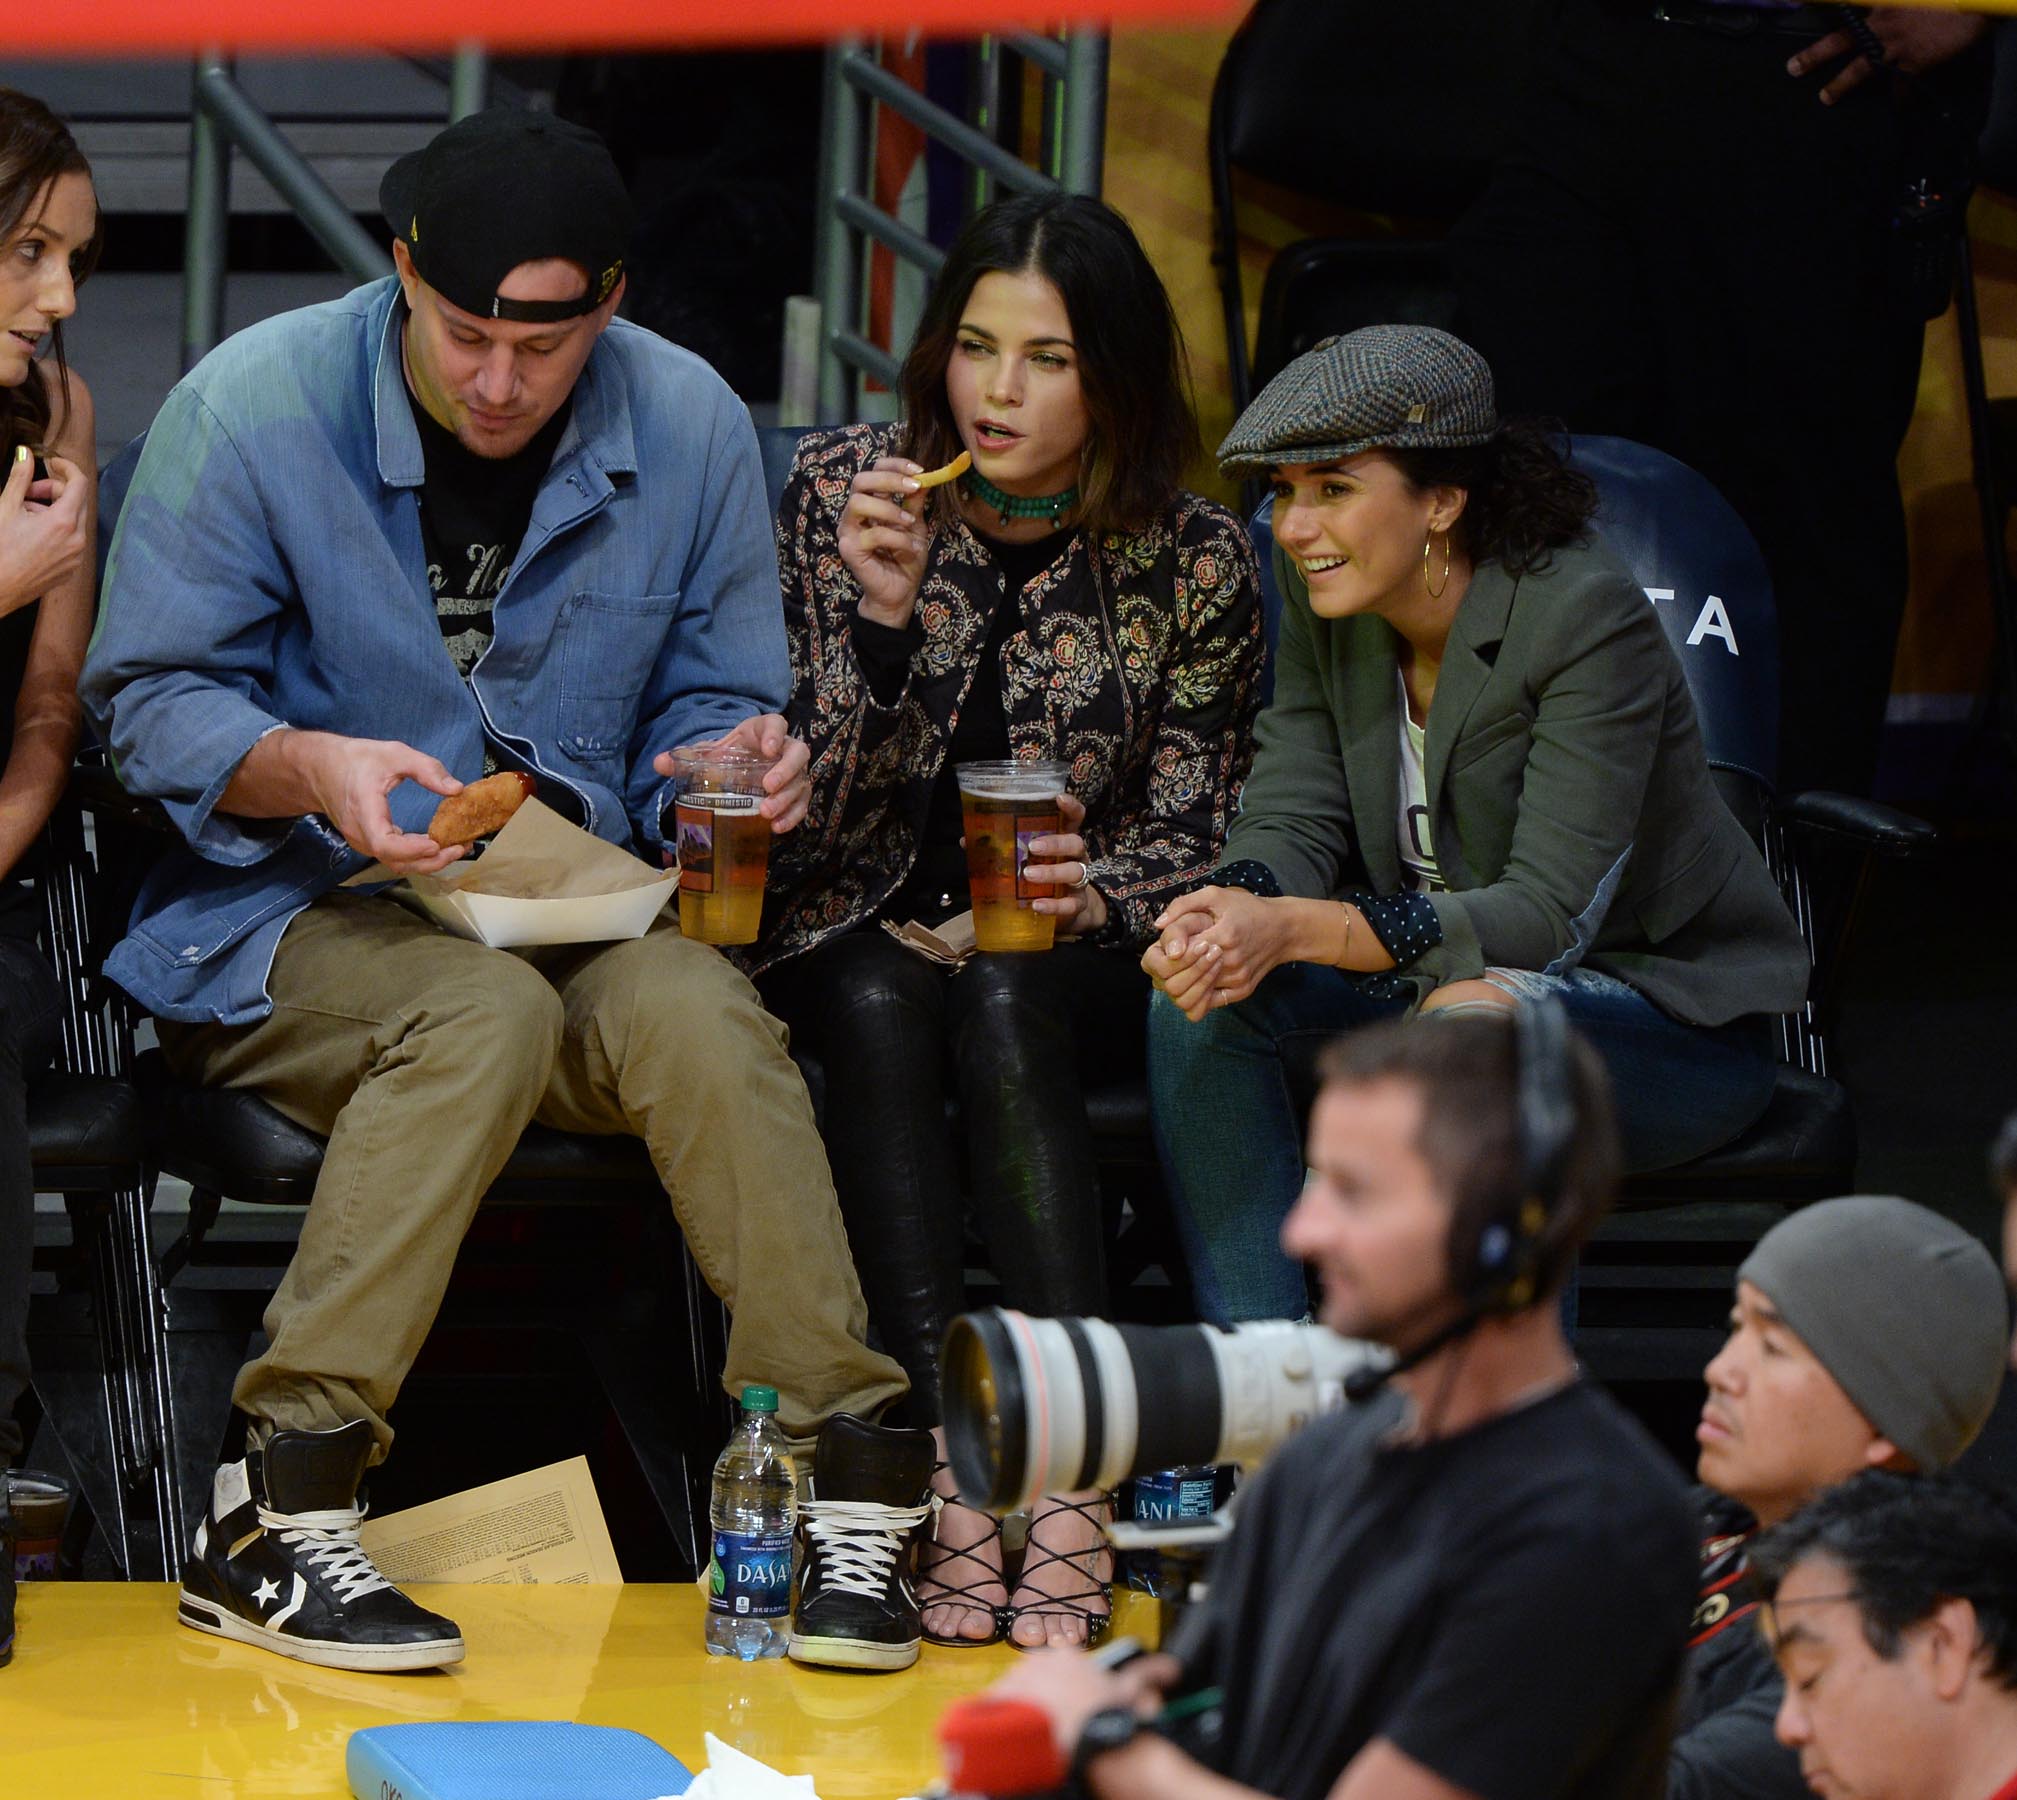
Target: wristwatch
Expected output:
[1113,1728]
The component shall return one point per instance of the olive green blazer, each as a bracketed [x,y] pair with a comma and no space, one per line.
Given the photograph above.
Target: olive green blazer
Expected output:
[1575,818]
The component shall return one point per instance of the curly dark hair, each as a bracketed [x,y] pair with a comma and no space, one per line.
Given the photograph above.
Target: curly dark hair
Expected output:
[1906,1543]
[35,148]
[1141,432]
[1524,500]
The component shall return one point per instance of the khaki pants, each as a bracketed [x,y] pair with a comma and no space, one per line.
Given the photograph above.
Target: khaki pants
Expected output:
[421,1056]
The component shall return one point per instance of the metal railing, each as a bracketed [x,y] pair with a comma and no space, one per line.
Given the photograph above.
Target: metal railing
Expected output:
[1072,135]
[223,118]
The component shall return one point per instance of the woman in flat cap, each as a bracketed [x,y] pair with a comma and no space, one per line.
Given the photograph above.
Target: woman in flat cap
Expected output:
[1480,781]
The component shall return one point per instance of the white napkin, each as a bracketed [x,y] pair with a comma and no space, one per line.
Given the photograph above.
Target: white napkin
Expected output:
[731,1774]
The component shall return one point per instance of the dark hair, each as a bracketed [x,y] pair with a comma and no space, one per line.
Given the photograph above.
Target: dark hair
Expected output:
[1523,498]
[1906,1543]
[35,148]
[2003,1159]
[1141,434]
[1466,1069]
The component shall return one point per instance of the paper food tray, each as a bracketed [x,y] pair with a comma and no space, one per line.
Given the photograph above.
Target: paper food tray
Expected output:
[588,891]
[502,923]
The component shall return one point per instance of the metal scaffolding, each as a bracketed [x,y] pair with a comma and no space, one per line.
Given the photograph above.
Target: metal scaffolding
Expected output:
[1072,137]
[223,118]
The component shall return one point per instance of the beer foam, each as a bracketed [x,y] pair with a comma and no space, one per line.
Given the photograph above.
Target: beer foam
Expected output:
[1006,786]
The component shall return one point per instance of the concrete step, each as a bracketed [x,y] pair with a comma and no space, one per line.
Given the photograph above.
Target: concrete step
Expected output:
[349,116]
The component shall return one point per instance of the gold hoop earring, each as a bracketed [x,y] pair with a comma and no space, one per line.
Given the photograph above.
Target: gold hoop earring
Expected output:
[1436,593]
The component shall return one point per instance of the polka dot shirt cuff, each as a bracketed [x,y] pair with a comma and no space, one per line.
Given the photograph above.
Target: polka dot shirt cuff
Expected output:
[1255,877]
[1405,924]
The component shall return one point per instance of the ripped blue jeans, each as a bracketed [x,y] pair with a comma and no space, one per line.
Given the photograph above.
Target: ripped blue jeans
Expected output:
[1229,1134]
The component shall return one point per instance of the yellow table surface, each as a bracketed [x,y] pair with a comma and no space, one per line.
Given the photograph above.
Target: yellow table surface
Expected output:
[108,1698]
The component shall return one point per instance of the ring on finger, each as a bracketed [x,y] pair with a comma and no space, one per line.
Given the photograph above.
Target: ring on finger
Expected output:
[1085,875]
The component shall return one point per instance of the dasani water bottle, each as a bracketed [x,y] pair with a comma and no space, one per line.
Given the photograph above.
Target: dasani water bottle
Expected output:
[754,1510]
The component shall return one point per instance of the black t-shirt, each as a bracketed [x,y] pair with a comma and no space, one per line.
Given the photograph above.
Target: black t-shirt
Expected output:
[19,913]
[936,886]
[1724,1745]
[1507,1607]
[473,514]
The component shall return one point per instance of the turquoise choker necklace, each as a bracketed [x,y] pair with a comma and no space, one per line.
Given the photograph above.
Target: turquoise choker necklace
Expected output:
[1016,506]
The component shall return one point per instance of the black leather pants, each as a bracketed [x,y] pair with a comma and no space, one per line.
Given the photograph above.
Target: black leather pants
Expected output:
[1011,1037]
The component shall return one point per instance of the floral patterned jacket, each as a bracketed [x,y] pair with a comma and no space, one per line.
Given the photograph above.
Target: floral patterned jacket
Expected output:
[1138,662]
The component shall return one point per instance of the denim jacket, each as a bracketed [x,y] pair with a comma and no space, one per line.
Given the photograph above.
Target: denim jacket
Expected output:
[268,570]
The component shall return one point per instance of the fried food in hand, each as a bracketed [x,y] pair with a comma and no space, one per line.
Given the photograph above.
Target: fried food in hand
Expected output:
[481,808]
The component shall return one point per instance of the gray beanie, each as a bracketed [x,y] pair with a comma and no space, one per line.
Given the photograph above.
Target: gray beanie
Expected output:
[1405,387]
[1902,1307]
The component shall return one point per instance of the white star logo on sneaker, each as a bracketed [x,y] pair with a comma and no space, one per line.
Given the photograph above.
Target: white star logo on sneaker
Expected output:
[265,1592]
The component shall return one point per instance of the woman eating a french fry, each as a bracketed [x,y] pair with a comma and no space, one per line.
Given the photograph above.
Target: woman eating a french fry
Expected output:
[1012,574]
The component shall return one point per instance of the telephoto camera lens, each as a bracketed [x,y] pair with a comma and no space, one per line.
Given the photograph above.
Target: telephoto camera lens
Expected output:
[1052,1406]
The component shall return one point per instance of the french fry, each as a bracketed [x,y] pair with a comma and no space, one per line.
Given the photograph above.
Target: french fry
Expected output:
[951,472]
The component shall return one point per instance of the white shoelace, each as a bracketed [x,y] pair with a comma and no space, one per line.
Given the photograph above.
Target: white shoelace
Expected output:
[328,1541]
[860,1539]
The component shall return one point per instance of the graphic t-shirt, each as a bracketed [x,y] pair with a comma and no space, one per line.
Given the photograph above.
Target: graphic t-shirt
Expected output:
[473,514]
[1413,834]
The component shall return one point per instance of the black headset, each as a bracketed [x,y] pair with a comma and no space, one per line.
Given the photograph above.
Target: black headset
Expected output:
[1500,1269]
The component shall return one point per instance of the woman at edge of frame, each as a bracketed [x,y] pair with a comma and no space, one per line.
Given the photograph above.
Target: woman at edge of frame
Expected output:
[1064,600]
[1480,779]
[49,238]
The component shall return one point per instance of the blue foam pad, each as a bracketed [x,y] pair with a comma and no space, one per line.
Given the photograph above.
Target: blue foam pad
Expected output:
[504,1759]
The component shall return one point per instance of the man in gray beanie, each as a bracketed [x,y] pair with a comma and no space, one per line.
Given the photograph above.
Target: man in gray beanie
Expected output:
[1867,1333]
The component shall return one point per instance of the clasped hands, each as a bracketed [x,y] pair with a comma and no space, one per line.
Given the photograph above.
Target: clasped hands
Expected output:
[1217,945]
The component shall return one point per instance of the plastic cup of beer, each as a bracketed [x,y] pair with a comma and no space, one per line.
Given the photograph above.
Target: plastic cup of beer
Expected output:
[1003,805]
[722,842]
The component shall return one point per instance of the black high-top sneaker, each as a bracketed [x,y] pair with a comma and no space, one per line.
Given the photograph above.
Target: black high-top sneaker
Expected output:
[871,1489]
[6,1575]
[277,1562]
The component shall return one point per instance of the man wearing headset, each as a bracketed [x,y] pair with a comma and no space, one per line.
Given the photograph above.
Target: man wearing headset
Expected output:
[1477,1580]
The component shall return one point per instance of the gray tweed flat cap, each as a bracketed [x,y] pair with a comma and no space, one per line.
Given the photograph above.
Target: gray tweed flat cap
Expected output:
[1404,386]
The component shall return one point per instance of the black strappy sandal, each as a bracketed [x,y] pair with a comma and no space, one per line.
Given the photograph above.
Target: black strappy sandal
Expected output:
[962,1593]
[1077,1604]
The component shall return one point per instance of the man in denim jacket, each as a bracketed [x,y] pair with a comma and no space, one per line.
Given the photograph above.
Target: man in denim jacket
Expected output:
[458,519]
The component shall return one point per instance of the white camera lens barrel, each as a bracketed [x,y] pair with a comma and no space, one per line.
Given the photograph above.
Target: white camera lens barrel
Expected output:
[1274,1377]
[1045,1406]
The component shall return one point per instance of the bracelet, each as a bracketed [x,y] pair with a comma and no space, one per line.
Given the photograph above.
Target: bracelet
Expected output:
[1344,955]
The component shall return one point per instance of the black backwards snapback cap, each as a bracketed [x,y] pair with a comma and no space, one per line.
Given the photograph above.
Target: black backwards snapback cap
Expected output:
[505,187]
